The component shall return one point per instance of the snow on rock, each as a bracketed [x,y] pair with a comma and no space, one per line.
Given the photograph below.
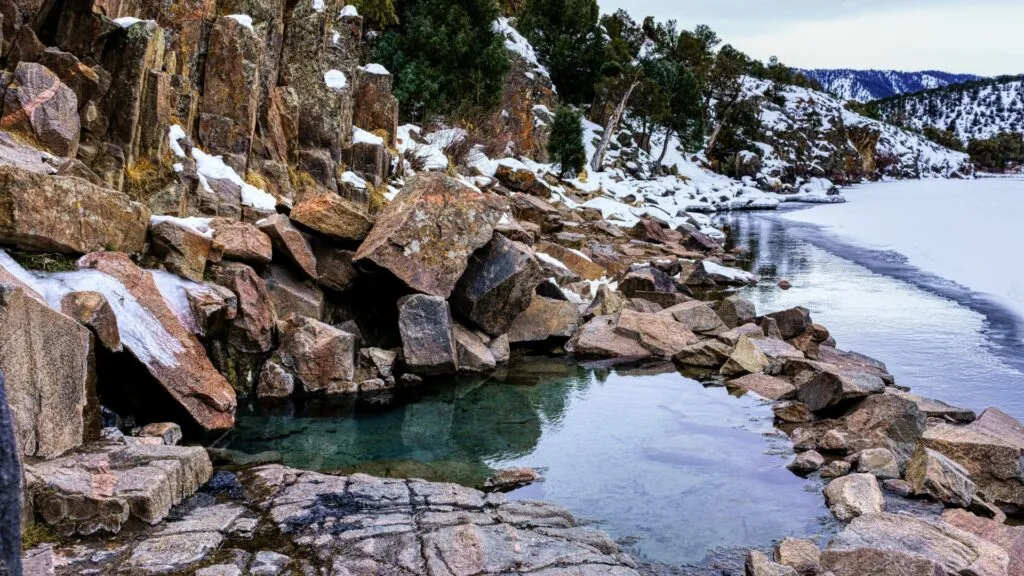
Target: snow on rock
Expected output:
[213,167]
[350,10]
[353,180]
[548,259]
[432,156]
[319,5]
[517,43]
[335,79]
[243,19]
[128,21]
[196,224]
[360,136]
[376,69]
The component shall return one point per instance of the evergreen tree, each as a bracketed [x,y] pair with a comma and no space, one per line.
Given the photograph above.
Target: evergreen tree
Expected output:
[445,56]
[565,144]
[568,41]
[377,14]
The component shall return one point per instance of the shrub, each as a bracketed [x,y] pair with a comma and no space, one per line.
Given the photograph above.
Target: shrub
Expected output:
[565,144]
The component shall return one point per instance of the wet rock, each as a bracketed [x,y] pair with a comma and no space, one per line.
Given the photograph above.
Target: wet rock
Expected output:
[92,310]
[98,488]
[545,319]
[792,322]
[267,563]
[746,358]
[758,564]
[426,235]
[934,475]
[991,449]
[736,311]
[320,356]
[333,216]
[911,546]
[806,463]
[793,412]
[878,462]
[599,338]
[67,215]
[660,335]
[473,355]
[252,330]
[292,294]
[705,354]
[183,251]
[829,389]
[275,382]
[698,317]
[242,241]
[382,360]
[836,469]
[511,478]
[765,386]
[854,495]
[428,341]
[498,285]
[785,284]
[47,361]
[800,555]
[500,349]
[290,243]
[42,108]
[1009,538]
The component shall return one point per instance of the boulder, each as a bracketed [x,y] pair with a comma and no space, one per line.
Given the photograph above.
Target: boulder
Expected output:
[334,266]
[428,340]
[531,209]
[599,338]
[500,349]
[932,474]
[768,387]
[879,462]
[774,349]
[938,409]
[92,310]
[758,564]
[1009,538]
[426,235]
[67,215]
[498,285]
[510,478]
[705,354]
[98,489]
[382,360]
[289,243]
[168,433]
[800,555]
[574,260]
[333,216]
[709,273]
[806,463]
[883,544]
[792,322]
[292,294]
[275,382]
[735,311]
[242,241]
[473,354]
[661,335]
[48,364]
[170,352]
[792,412]
[732,337]
[606,302]
[836,469]
[746,358]
[320,356]
[43,109]
[646,279]
[518,178]
[854,495]
[698,317]
[11,493]
[830,388]
[545,319]
[252,330]
[182,249]
[886,421]
[991,449]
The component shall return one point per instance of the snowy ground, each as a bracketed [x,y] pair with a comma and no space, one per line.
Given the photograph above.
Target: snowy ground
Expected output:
[966,231]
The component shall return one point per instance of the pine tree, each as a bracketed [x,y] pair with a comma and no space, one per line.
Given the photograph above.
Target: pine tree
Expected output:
[565,144]
[377,14]
[568,41]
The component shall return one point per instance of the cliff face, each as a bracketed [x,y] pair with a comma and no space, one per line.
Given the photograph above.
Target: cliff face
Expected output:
[274,87]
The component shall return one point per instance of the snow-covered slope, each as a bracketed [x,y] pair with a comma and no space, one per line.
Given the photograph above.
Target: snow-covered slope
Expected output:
[868,85]
[974,110]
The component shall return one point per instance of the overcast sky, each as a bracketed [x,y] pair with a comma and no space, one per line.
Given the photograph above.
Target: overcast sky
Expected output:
[982,37]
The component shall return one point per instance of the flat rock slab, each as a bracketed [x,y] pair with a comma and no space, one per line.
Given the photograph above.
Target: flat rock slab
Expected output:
[98,488]
[765,386]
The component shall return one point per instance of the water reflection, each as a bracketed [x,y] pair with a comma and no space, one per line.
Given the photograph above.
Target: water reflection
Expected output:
[659,461]
[936,337]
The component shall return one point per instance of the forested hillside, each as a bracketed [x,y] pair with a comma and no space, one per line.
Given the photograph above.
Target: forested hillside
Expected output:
[869,85]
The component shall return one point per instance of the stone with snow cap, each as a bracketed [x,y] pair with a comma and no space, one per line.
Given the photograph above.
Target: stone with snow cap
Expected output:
[426,235]
[151,331]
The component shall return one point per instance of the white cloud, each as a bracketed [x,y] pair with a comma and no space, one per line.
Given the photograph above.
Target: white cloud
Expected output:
[950,35]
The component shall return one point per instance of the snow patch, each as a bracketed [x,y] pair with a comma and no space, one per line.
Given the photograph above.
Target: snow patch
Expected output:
[243,19]
[335,80]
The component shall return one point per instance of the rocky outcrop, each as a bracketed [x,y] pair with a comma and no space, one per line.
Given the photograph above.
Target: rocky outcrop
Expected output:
[426,235]
[10,489]
[40,107]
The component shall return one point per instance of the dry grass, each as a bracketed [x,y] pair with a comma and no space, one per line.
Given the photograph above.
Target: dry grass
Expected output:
[258,180]
[377,199]
[144,177]
[300,178]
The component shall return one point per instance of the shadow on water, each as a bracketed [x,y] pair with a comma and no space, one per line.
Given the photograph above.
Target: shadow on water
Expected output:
[667,466]
[938,337]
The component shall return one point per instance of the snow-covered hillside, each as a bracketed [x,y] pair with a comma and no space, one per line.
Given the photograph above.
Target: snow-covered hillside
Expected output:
[868,85]
[974,110]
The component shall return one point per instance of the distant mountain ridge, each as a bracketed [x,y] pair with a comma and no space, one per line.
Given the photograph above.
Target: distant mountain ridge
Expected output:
[869,85]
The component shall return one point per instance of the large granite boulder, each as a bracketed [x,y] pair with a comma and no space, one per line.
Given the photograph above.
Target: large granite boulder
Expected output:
[833,388]
[252,329]
[932,474]
[745,358]
[428,340]
[426,235]
[705,354]
[885,421]
[474,356]
[659,334]
[333,216]
[546,318]
[642,279]
[321,356]
[67,215]
[991,449]
[293,294]
[498,285]
[574,260]
[1009,538]
[885,544]
[10,489]
[599,338]
[736,311]
[698,317]
[48,363]
[170,352]
[182,249]
[40,107]
[242,241]
[334,266]
[289,243]
[854,495]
